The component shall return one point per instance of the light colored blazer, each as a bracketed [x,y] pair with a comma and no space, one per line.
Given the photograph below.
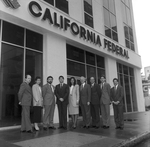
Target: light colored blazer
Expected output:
[74,96]
[37,95]
[48,94]
[105,97]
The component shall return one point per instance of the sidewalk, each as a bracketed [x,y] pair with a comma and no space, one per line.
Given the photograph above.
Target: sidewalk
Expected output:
[137,127]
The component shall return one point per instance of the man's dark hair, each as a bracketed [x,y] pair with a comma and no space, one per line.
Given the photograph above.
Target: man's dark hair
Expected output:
[49,77]
[61,77]
[115,79]
[103,77]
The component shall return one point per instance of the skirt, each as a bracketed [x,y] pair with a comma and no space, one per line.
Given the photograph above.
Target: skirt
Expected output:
[37,114]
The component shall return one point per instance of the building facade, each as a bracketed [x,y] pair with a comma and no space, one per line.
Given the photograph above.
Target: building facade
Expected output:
[147,72]
[69,38]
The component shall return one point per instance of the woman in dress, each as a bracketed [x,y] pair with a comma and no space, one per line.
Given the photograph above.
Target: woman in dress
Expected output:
[37,103]
[73,106]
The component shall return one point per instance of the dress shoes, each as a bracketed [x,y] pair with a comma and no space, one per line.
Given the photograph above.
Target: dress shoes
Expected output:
[53,128]
[44,128]
[23,131]
[29,131]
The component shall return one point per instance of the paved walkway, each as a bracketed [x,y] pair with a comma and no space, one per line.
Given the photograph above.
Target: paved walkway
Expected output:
[137,126]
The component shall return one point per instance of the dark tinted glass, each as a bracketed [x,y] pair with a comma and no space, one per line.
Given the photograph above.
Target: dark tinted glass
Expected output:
[91,72]
[100,72]
[90,58]
[100,62]
[131,71]
[132,46]
[120,68]
[108,32]
[62,5]
[33,64]
[106,18]
[13,34]
[88,6]
[50,2]
[10,80]
[115,36]
[125,70]
[127,43]
[131,34]
[126,31]
[88,20]
[75,53]
[75,69]
[34,40]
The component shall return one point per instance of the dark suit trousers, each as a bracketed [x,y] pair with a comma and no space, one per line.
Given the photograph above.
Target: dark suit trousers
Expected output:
[95,108]
[86,114]
[118,115]
[62,111]
[25,121]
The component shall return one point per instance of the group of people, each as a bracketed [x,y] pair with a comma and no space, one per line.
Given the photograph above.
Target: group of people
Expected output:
[92,98]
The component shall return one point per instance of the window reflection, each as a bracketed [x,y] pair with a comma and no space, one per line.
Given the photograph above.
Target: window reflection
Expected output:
[88,20]
[90,58]
[88,6]
[100,62]
[62,5]
[108,32]
[115,36]
[113,22]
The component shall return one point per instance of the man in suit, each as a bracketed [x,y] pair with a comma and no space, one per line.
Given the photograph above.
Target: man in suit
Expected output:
[117,101]
[95,103]
[49,104]
[105,102]
[62,93]
[85,99]
[25,98]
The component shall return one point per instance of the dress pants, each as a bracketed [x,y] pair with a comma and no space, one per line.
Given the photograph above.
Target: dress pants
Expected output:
[62,111]
[86,114]
[48,115]
[118,115]
[25,120]
[95,108]
[105,110]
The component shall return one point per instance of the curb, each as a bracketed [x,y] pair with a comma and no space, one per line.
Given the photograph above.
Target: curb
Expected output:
[134,140]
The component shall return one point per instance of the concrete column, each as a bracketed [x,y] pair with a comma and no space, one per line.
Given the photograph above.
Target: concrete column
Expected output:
[54,61]
[139,90]
[111,72]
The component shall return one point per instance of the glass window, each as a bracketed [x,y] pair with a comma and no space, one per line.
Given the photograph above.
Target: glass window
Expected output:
[113,22]
[11,77]
[34,40]
[88,20]
[128,17]
[33,64]
[115,36]
[108,32]
[91,72]
[111,6]
[127,43]
[90,58]
[88,6]
[13,34]
[106,18]
[105,3]
[75,53]
[100,61]
[132,47]
[131,34]
[126,31]
[62,5]
[75,69]
[100,72]
[125,70]
[131,71]
[50,2]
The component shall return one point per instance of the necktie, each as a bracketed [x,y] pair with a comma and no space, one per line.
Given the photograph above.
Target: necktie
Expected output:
[81,86]
[115,88]
[61,85]
[102,86]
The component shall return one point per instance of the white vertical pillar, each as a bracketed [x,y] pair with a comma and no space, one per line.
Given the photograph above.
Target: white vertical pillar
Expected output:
[111,72]
[54,61]
[139,90]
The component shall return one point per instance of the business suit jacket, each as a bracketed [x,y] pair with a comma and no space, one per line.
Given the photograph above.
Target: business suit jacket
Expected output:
[95,94]
[25,94]
[118,95]
[74,96]
[85,94]
[37,95]
[62,92]
[48,94]
[105,97]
